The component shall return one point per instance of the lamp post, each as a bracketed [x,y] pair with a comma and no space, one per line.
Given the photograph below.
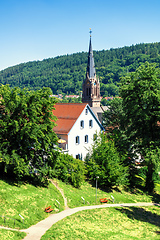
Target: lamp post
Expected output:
[96,187]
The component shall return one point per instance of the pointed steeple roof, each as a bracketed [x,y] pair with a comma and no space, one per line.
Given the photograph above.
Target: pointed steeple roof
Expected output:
[91,85]
[91,72]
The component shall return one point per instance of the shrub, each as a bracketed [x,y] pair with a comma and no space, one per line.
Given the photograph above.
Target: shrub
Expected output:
[104,161]
[69,169]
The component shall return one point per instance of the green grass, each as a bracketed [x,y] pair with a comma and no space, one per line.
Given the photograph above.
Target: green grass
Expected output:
[30,202]
[109,223]
[11,235]
[27,200]
[88,192]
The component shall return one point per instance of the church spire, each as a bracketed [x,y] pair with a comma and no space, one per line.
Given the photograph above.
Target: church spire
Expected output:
[91,86]
[91,72]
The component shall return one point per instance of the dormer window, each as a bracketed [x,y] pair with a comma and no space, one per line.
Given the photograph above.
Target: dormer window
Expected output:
[81,124]
[90,123]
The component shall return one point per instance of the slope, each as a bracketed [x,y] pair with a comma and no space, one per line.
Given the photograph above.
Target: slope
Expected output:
[65,73]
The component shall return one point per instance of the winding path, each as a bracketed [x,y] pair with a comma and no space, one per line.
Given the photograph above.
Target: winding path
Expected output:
[36,231]
[61,191]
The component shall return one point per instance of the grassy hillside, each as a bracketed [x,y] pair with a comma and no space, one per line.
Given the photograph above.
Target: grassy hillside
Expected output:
[88,192]
[132,223]
[30,202]
[109,223]
[65,73]
[27,200]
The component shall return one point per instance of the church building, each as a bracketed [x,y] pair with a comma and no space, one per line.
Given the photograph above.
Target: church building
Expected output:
[78,123]
[91,87]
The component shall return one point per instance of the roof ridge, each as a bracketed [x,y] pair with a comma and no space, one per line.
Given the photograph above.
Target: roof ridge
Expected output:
[71,104]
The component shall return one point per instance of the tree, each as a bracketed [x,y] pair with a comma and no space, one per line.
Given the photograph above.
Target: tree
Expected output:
[140,92]
[69,170]
[114,123]
[116,130]
[27,140]
[152,157]
[105,162]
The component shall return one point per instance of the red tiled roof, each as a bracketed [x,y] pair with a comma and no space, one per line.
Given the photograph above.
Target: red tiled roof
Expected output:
[67,114]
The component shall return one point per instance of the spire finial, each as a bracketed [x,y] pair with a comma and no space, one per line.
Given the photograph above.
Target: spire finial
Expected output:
[90,32]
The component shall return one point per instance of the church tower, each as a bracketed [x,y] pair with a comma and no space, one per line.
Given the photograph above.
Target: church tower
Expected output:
[91,85]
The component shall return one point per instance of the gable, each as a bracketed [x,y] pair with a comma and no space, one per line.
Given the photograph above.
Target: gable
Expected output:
[91,109]
[86,118]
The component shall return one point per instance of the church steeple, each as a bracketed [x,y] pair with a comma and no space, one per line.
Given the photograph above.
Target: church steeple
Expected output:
[91,86]
[90,66]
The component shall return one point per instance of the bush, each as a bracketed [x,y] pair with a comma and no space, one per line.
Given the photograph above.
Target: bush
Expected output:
[69,169]
[104,161]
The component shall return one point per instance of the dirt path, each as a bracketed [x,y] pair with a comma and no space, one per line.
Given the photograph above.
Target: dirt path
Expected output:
[61,191]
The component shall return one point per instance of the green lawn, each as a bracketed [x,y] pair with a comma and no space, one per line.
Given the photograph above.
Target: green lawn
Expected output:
[88,192]
[109,223]
[27,200]
[11,235]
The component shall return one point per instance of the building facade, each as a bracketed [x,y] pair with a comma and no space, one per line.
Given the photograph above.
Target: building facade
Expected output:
[76,128]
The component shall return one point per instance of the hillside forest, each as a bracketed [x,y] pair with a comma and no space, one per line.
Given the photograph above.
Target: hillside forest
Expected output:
[65,74]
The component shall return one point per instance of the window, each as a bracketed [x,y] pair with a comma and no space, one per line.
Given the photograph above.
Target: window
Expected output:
[86,139]
[77,140]
[87,92]
[78,156]
[82,124]
[86,111]
[90,123]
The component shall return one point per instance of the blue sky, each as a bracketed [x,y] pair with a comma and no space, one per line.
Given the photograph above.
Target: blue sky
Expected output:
[39,29]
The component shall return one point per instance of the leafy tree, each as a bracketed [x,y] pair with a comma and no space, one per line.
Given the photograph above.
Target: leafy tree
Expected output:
[140,91]
[141,102]
[152,157]
[105,162]
[116,127]
[69,170]
[114,123]
[27,140]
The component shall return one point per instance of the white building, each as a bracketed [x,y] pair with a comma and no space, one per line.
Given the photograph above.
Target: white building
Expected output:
[76,127]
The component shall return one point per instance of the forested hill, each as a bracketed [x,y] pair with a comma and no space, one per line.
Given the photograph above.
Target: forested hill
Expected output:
[65,73]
